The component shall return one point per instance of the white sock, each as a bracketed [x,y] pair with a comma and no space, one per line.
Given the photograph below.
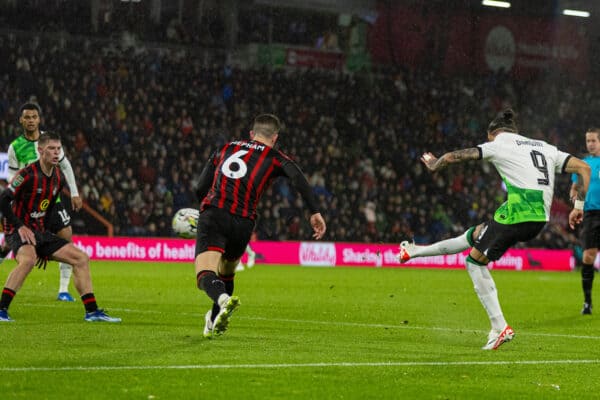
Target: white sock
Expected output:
[222,300]
[448,246]
[485,287]
[65,277]
[249,250]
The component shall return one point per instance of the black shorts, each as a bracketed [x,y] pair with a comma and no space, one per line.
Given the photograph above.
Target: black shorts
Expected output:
[495,238]
[590,233]
[59,218]
[47,243]
[224,232]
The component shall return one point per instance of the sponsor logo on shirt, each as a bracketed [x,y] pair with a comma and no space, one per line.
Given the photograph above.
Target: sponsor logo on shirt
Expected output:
[37,214]
[16,182]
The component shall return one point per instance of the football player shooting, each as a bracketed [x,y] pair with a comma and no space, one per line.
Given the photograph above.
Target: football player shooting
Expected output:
[230,187]
[528,169]
[22,152]
[31,195]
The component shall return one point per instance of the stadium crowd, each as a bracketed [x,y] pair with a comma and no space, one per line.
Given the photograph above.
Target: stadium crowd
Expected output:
[202,24]
[138,124]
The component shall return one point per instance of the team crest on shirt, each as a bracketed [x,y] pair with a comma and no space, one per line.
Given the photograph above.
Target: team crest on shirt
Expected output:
[16,182]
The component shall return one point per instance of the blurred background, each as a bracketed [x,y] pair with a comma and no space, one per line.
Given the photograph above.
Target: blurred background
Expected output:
[143,91]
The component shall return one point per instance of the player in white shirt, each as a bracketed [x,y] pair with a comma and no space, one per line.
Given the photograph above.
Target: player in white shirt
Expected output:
[527,167]
[251,259]
[22,152]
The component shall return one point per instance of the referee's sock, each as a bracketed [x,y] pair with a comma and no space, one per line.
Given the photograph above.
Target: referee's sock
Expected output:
[587,280]
[209,282]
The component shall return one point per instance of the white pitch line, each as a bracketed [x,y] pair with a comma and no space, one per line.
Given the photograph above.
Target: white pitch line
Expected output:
[356,324]
[406,326]
[391,326]
[299,365]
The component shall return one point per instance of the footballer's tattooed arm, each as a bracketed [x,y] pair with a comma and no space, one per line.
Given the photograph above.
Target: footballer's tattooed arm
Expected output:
[577,191]
[581,168]
[583,171]
[434,164]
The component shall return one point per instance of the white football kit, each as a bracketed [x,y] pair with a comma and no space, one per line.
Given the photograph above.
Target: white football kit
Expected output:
[527,167]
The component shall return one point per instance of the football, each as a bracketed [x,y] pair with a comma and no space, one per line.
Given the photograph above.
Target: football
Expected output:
[185,222]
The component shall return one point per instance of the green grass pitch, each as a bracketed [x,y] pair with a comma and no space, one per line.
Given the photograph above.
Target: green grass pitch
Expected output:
[300,333]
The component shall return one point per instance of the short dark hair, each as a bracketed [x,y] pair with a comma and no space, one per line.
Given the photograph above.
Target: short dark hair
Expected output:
[594,129]
[505,121]
[266,125]
[30,106]
[48,136]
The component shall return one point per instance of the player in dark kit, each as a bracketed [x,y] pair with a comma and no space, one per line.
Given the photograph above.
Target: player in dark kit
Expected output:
[26,203]
[231,184]
[24,151]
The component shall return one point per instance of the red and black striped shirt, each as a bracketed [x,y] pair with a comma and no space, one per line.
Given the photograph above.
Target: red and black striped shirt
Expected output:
[30,196]
[236,176]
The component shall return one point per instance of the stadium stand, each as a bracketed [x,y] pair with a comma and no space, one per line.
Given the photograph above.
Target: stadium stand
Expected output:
[138,123]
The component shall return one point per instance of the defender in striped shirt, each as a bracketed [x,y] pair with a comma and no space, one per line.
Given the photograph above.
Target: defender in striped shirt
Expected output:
[231,184]
[22,152]
[30,197]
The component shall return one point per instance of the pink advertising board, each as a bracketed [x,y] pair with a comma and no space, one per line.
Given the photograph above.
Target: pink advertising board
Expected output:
[326,254]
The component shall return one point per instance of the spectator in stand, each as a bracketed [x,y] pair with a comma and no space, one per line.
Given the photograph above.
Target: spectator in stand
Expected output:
[158,86]
[146,172]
